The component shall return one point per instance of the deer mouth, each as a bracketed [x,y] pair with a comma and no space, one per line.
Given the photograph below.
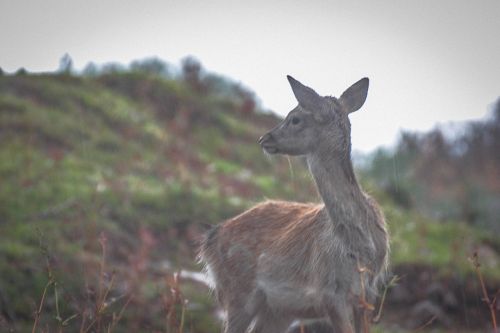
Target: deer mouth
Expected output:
[268,144]
[270,149]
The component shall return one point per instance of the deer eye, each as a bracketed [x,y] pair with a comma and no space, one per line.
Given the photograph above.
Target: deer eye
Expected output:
[295,120]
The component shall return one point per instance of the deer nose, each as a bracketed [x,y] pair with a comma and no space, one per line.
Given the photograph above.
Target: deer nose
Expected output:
[264,138]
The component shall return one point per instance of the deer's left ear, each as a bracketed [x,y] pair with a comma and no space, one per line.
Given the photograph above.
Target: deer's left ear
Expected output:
[355,96]
[307,97]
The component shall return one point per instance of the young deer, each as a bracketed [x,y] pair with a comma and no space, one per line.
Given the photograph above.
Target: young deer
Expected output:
[282,261]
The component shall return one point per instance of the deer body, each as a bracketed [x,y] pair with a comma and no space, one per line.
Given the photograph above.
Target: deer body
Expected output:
[281,261]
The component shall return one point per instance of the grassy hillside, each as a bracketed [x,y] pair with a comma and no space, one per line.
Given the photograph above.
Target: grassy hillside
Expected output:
[107,181]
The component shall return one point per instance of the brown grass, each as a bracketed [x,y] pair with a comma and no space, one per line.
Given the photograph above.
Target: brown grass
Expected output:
[490,302]
[104,311]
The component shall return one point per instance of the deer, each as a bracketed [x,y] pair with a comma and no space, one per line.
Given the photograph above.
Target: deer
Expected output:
[279,262]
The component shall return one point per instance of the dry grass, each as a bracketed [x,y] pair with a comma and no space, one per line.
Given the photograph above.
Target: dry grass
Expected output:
[490,302]
[107,311]
[174,302]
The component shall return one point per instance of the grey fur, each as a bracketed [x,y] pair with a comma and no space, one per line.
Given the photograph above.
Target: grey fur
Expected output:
[265,275]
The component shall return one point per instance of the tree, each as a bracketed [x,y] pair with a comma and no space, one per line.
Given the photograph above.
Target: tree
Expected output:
[21,71]
[191,73]
[65,64]
[90,70]
[151,66]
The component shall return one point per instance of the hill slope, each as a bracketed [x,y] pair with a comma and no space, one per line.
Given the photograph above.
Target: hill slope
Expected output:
[107,181]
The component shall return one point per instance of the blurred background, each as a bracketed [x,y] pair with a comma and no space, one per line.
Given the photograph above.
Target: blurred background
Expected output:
[126,130]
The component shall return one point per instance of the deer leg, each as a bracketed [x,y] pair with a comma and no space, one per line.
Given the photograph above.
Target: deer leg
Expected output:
[237,320]
[359,320]
[340,318]
[240,314]
[267,322]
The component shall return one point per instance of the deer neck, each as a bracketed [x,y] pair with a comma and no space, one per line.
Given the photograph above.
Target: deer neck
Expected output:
[337,185]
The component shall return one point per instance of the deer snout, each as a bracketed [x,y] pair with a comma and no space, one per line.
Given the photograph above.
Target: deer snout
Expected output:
[264,138]
[268,143]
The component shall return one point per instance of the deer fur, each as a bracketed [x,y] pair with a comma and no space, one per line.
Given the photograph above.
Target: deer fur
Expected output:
[282,261]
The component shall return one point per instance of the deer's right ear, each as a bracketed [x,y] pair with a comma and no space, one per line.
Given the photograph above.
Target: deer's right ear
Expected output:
[355,96]
[307,97]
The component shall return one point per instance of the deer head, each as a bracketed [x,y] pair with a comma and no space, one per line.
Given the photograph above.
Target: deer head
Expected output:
[317,122]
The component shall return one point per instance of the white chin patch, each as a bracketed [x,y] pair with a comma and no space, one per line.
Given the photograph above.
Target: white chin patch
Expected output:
[271,150]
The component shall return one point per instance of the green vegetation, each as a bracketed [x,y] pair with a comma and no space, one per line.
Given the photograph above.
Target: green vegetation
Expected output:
[107,180]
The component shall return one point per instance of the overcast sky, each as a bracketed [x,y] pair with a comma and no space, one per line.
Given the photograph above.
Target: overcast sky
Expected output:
[429,61]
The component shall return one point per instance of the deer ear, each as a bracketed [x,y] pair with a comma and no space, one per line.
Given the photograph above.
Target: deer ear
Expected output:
[307,97]
[355,96]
